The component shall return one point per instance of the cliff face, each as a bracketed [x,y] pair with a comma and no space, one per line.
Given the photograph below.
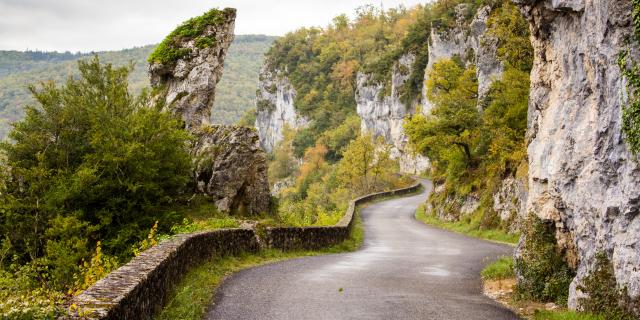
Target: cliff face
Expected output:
[469,42]
[582,176]
[229,165]
[383,116]
[189,80]
[275,109]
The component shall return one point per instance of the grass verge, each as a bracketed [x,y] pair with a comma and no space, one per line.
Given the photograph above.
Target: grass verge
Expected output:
[462,227]
[194,294]
[565,315]
[498,270]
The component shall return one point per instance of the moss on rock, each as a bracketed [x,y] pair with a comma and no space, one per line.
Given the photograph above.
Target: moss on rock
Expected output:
[171,49]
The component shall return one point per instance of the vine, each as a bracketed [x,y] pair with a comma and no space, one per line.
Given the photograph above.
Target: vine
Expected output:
[631,71]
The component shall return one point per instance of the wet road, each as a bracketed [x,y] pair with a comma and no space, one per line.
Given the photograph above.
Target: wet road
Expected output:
[405,270]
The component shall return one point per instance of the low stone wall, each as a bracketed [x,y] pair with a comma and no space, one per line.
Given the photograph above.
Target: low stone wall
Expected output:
[140,288]
[311,238]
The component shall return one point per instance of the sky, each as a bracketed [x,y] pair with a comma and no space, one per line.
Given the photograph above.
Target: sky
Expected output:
[99,25]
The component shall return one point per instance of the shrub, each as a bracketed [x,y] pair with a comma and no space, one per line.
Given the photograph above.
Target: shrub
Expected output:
[544,274]
[603,295]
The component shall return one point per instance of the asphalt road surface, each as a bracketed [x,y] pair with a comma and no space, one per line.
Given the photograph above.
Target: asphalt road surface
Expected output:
[405,270]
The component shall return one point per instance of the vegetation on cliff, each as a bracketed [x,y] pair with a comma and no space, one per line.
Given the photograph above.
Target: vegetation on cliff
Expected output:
[195,29]
[631,71]
[473,149]
[322,64]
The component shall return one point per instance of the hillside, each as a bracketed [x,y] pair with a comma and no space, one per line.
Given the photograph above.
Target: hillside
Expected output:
[235,93]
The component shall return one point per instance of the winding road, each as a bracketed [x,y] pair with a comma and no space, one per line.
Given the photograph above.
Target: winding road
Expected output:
[405,270]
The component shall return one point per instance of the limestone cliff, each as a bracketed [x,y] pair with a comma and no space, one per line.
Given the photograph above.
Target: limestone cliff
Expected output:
[275,108]
[383,116]
[582,176]
[469,42]
[229,165]
[188,68]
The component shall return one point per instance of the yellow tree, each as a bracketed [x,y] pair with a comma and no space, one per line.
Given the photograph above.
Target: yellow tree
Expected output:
[355,168]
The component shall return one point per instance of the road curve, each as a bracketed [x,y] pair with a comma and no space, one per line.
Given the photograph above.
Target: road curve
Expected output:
[405,270]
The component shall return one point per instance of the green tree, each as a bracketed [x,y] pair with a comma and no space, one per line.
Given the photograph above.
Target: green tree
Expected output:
[90,162]
[356,168]
[453,122]
[507,25]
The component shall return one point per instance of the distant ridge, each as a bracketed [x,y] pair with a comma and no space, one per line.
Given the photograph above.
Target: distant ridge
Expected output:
[236,91]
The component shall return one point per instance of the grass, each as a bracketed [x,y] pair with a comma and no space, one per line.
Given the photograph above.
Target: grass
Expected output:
[200,215]
[565,315]
[498,270]
[194,294]
[466,228]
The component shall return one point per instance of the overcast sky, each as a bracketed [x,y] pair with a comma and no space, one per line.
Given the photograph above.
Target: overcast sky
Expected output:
[96,25]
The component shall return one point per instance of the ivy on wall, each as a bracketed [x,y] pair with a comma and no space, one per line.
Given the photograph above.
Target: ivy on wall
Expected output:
[631,71]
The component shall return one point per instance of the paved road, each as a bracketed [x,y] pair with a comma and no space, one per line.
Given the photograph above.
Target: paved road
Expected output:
[405,270]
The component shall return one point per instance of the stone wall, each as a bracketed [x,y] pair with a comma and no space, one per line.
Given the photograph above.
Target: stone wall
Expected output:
[309,238]
[140,288]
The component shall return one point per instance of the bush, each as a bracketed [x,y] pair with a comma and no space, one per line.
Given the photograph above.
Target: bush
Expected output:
[544,274]
[604,296]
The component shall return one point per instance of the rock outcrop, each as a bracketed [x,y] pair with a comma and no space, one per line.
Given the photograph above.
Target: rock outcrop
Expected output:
[383,116]
[510,201]
[275,108]
[469,42]
[582,176]
[189,81]
[229,165]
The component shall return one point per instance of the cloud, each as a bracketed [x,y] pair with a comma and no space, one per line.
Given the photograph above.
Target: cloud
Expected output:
[91,25]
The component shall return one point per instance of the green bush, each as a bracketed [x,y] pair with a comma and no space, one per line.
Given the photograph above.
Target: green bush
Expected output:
[603,295]
[544,274]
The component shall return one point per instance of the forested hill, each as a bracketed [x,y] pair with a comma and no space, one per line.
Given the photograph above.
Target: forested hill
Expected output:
[235,92]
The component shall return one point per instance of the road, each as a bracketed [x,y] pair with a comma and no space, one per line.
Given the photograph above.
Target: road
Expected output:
[405,270]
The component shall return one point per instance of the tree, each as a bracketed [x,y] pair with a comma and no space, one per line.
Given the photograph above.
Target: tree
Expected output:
[454,120]
[366,166]
[355,169]
[90,162]
[283,164]
[507,25]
